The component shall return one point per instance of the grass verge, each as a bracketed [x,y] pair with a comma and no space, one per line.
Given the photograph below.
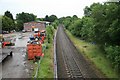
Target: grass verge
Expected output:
[95,55]
[46,66]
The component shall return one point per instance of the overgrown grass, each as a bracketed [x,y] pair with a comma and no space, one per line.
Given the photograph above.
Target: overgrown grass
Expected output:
[46,66]
[46,69]
[95,55]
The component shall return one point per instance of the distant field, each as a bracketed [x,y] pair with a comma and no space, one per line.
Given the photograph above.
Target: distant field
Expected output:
[95,55]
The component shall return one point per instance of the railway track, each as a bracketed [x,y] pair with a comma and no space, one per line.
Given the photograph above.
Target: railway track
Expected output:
[70,63]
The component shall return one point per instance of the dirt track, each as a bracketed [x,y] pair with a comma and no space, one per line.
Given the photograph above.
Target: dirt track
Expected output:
[70,63]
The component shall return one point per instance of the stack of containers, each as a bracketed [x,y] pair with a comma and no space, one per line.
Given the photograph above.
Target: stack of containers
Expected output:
[34,50]
[34,47]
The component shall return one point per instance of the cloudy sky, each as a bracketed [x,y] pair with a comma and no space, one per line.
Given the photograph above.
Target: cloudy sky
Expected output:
[46,7]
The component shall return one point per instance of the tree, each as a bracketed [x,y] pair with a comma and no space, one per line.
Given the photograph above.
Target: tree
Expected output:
[51,18]
[19,25]
[22,18]
[87,11]
[0,24]
[76,28]
[40,19]
[46,18]
[87,31]
[9,15]
[67,22]
[7,23]
[75,16]
[25,17]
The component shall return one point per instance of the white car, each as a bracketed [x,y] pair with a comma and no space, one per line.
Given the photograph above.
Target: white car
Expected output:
[23,31]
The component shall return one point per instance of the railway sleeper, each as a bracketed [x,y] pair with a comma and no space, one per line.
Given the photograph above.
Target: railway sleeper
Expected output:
[77,76]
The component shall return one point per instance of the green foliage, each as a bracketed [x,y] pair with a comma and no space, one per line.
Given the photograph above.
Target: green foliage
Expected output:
[101,25]
[87,30]
[9,15]
[87,11]
[0,24]
[95,55]
[55,24]
[46,66]
[76,27]
[23,18]
[49,32]
[7,23]
[113,53]
[75,16]
[46,18]
[66,21]
[51,18]
[19,25]
[97,24]
[40,19]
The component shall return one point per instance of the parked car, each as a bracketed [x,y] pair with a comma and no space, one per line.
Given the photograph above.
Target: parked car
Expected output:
[5,32]
[23,31]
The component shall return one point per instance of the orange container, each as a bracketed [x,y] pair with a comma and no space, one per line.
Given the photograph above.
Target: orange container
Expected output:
[30,56]
[34,50]
[43,38]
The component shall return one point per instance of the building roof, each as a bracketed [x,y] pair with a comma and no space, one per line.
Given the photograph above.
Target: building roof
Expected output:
[38,22]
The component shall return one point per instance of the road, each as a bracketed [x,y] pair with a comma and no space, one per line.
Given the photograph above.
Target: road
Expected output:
[71,64]
[17,66]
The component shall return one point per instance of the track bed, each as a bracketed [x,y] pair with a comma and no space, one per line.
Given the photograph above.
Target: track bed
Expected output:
[70,63]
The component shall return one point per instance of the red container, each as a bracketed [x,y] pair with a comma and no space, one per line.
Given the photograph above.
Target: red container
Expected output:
[34,50]
[43,38]
[30,56]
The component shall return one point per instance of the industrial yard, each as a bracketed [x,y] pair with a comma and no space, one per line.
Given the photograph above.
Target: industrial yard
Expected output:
[17,65]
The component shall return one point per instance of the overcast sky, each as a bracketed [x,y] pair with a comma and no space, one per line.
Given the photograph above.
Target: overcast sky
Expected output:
[46,7]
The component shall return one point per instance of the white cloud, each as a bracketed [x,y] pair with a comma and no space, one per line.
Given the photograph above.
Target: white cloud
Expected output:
[44,7]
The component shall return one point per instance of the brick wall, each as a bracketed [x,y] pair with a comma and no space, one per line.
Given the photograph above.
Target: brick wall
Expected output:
[29,25]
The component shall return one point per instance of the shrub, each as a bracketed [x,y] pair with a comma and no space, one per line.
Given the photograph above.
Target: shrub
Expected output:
[113,53]
[50,32]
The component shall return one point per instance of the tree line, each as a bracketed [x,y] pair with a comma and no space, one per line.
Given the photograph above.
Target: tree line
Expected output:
[100,25]
[9,23]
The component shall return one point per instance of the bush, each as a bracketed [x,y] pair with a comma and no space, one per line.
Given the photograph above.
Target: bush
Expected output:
[55,24]
[50,32]
[113,53]
[76,28]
